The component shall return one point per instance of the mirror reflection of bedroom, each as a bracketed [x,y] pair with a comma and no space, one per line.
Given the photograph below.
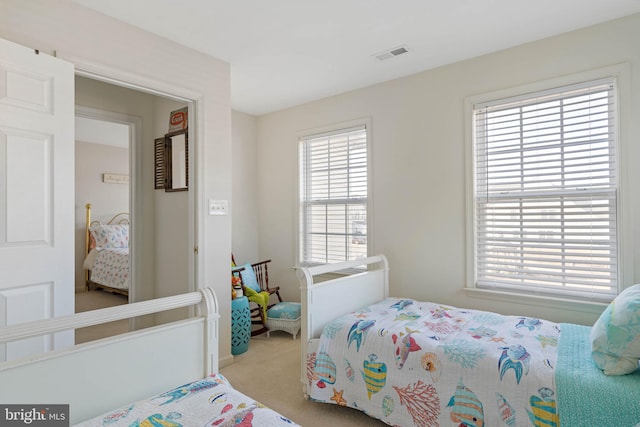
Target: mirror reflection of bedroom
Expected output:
[102,234]
[114,161]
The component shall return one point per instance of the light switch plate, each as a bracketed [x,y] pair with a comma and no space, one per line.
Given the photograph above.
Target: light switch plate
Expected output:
[218,207]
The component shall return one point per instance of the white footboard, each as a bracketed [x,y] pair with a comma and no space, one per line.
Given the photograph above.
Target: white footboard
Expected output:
[101,375]
[353,285]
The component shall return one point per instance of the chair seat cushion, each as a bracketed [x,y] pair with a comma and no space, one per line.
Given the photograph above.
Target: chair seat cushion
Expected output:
[285,316]
[285,311]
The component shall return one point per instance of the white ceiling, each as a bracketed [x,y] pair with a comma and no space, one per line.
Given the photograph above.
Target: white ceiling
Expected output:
[288,52]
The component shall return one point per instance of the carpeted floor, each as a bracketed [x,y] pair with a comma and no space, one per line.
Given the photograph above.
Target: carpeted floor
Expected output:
[270,373]
[99,299]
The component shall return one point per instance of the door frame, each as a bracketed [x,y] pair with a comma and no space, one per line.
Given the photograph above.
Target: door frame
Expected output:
[195,102]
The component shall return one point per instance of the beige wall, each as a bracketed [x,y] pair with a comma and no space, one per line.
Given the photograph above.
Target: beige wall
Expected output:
[171,223]
[419,175]
[96,43]
[245,209]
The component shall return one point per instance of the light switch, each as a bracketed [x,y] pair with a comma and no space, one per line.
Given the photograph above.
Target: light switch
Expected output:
[218,207]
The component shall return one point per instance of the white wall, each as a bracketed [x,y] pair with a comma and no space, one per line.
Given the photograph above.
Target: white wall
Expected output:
[245,209]
[92,160]
[418,171]
[96,43]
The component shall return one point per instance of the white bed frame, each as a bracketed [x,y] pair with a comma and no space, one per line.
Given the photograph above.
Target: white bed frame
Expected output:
[331,290]
[102,375]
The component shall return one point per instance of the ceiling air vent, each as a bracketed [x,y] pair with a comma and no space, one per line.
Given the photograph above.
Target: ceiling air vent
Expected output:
[391,53]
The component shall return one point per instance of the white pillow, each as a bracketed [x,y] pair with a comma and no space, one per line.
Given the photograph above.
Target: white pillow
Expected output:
[615,337]
[110,236]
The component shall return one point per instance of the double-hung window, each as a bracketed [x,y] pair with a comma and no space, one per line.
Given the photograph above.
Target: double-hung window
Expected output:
[545,192]
[333,196]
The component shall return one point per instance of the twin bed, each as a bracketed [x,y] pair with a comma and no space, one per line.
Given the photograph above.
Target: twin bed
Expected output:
[411,363]
[107,252]
[169,375]
[405,362]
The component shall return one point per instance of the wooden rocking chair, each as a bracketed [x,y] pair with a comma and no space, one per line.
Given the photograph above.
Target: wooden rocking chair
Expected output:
[255,286]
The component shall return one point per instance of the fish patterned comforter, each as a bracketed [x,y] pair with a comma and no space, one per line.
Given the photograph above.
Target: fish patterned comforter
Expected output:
[412,363]
[211,401]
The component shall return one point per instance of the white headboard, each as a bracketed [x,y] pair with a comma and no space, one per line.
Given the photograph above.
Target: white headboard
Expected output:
[102,375]
[348,290]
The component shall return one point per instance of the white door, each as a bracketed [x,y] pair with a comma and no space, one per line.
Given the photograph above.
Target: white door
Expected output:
[36,194]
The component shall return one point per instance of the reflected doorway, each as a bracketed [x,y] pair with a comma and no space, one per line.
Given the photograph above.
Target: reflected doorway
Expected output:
[162,229]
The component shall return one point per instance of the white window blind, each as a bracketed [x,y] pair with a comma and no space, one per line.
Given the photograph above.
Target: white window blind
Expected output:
[546,192]
[333,212]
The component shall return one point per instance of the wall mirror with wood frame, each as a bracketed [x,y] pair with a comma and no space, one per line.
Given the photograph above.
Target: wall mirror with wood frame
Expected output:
[172,161]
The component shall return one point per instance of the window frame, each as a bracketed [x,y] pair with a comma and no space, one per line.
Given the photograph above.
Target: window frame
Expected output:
[318,132]
[621,74]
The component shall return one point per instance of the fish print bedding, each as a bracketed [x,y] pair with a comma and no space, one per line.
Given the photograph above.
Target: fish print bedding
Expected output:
[411,363]
[211,401]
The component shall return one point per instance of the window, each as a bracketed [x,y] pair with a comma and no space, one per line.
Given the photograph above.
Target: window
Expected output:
[545,192]
[333,196]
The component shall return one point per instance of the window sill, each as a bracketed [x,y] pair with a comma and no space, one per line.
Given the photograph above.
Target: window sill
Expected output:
[591,307]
